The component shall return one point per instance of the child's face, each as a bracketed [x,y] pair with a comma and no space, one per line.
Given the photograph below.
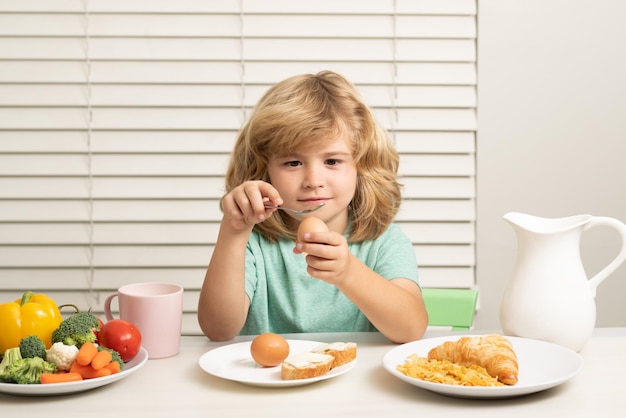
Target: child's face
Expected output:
[323,173]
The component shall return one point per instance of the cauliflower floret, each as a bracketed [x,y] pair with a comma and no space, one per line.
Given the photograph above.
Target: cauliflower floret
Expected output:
[62,355]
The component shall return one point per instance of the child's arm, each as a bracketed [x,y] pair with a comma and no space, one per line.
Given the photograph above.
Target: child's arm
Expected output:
[223,303]
[395,307]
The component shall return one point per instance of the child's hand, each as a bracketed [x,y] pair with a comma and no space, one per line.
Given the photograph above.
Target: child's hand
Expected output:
[327,256]
[244,205]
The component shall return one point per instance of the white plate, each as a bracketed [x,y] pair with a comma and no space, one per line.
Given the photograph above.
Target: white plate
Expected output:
[75,387]
[542,365]
[234,362]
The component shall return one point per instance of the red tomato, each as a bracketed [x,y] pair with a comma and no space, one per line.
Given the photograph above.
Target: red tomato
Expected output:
[97,332]
[121,336]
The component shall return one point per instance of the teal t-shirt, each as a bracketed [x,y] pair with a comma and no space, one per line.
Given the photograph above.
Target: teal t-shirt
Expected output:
[285,299]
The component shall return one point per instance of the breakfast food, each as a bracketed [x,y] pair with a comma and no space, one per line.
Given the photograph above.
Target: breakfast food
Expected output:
[342,352]
[306,365]
[493,352]
[318,361]
[446,372]
[269,349]
[311,224]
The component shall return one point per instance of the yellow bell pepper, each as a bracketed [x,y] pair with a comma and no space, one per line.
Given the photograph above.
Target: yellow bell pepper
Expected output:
[34,314]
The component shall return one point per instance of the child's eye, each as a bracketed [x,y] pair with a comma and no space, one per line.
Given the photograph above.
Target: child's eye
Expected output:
[332,161]
[292,163]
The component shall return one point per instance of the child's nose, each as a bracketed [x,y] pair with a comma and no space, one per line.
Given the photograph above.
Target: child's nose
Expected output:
[313,178]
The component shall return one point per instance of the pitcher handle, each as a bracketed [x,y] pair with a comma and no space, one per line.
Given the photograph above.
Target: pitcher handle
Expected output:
[620,227]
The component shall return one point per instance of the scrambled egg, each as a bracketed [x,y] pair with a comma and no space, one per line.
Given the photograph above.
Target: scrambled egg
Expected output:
[446,372]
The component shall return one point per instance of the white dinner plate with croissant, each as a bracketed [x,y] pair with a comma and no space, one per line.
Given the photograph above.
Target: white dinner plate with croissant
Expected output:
[542,366]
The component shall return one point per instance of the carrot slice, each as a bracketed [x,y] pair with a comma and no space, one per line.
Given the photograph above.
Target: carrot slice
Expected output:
[101,359]
[88,372]
[114,366]
[86,353]
[47,378]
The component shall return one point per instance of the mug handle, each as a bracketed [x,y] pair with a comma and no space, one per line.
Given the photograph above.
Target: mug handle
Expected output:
[107,306]
[620,227]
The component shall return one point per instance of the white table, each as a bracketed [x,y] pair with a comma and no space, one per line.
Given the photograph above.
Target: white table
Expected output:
[177,387]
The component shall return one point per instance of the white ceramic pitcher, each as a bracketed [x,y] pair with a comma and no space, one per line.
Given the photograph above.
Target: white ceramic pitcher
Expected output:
[548,296]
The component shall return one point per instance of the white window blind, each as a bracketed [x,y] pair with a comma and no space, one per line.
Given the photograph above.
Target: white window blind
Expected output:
[117,118]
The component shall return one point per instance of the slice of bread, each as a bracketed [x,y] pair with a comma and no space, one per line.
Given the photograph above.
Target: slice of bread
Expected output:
[342,352]
[306,365]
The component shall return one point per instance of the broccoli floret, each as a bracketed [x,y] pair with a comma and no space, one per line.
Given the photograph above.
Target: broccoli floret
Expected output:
[32,346]
[27,371]
[116,356]
[11,355]
[77,329]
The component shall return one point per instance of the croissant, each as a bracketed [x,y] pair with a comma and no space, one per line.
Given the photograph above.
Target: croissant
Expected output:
[493,352]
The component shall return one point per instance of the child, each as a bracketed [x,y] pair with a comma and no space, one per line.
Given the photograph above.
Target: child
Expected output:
[312,140]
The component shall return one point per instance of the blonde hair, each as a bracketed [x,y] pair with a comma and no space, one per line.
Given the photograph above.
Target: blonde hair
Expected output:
[305,110]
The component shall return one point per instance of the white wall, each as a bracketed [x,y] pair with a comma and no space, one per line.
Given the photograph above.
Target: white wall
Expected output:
[551,133]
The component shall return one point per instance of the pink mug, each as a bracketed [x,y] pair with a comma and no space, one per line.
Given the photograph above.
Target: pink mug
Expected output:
[156,309]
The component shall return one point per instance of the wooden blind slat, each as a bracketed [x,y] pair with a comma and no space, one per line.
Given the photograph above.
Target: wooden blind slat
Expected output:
[180,210]
[132,257]
[112,278]
[287,49]
[209,118]
[211,25]
[125,142]
[191,188]
[224,72]
[147,142]
[214,95]
[250,6]
[173,233]
[193,164]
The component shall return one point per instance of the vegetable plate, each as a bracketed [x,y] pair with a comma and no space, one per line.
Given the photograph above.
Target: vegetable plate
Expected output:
[75,387]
